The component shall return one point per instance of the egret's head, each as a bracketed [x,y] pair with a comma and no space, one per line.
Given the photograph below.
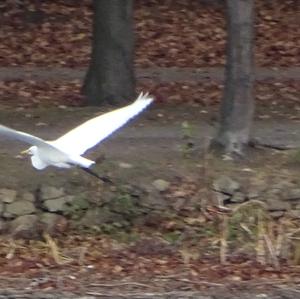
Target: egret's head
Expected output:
[30,151]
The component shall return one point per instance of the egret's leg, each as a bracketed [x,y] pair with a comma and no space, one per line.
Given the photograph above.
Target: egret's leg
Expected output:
[104,179]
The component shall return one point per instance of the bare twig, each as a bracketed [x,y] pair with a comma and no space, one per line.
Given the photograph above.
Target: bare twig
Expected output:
[290,234]
[82,253]
[256,143]
[200,282]
[280,239]
[112,285]
[58,258]
[12,250]
[223,240]
[144,295]
[171,276]
[250,203]
[272,253]
[246,229]
[260,248]
[288,289]
[270,282]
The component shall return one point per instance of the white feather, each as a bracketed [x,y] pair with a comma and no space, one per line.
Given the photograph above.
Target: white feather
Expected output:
[93,131]
[66,151]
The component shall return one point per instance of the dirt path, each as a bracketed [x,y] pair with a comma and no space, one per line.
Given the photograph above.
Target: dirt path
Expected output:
[158,74]
[153,142]
[153,288]
[288,294]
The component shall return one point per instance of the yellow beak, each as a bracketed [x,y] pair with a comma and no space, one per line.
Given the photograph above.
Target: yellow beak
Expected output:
[25,152]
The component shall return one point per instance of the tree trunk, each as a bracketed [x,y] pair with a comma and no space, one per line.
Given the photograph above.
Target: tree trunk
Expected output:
[238,104]
[110,77]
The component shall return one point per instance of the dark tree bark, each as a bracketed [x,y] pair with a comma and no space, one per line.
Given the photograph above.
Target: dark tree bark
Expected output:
[238,104]
[110,77]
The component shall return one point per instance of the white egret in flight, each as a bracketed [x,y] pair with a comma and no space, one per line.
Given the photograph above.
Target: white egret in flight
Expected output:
[67,150]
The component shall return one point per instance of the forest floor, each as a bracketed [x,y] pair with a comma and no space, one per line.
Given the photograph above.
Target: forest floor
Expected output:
[40,93]
[139,263]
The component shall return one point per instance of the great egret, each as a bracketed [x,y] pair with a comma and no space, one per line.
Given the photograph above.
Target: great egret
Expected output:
[67,150]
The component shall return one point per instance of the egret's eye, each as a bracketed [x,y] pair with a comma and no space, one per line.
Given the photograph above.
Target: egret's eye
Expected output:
[67,150]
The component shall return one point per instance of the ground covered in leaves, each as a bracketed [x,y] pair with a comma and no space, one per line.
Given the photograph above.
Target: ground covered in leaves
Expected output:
[169,33]
[98,265]
[188,246]
[175,256]
[184,34]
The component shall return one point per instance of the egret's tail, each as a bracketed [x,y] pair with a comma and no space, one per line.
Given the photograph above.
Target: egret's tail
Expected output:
[82,162]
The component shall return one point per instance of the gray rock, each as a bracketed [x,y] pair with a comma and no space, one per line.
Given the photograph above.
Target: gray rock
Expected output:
[20,207]
[219,198]
[69,198]
[161,185]
[1,207]
[273,193]
[28,196]
[274,204]
[98,216]
[8,195]
[253,193]
[283,185]
[179,203]
[7,215]
[292,194]
[53,223]
[25,226]
[48,219]
[226,185]
[238,197]
[277,214]
[154,201]
[294,214]
[49,192]
[55,205]
[78,203]
[3,226]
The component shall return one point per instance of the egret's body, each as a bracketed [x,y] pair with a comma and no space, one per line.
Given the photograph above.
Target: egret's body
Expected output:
[67,150]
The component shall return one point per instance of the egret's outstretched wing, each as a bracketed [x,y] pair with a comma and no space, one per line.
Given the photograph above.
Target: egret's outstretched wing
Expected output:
[21,136]
[93,131]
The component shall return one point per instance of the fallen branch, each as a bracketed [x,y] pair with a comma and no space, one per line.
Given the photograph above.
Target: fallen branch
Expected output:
[223,240]
[255,143]
[112,285]
[58,258]
[272,253]
[143,295]
[200,282]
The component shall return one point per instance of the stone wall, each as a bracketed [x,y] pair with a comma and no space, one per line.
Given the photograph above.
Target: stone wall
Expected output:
[53,209]
[26,214]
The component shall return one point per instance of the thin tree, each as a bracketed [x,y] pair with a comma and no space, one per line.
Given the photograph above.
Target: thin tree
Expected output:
[237,106]
[110,77]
